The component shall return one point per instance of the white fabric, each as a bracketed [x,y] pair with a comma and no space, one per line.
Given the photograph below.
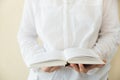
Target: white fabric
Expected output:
[66,24]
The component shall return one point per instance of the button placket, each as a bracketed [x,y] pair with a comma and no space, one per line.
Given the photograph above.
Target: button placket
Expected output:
[66,25]
[65,34]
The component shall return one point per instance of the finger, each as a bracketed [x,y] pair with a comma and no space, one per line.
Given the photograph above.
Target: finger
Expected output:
[87,65]
[91,67]
[75,66]
[46,69]
[100,66]
[82,68]
[95,66]
[54,68]
[104,61]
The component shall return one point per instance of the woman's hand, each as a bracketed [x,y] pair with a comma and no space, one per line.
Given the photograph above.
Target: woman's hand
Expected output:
[85,68]
[51,69]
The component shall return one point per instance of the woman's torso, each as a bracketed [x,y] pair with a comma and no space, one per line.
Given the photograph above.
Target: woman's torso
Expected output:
[62,24]
[68,23]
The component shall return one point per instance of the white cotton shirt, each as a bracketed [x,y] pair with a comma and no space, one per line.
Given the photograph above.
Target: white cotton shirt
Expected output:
[69,25]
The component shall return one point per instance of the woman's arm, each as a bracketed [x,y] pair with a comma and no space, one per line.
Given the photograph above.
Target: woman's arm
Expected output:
[27,36]
[109,36]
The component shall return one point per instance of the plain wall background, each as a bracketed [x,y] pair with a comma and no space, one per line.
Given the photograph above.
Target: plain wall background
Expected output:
[12,66]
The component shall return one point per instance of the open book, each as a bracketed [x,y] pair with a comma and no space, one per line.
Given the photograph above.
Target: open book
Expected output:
[60,58]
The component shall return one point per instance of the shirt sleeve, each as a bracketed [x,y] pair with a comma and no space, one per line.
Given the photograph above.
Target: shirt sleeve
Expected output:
[109,35]
[27,37]
[108,39]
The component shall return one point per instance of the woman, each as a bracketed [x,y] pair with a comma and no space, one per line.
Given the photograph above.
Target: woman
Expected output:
[69,24]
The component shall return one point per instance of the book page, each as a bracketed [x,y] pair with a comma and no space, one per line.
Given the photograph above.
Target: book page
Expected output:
[48,56]
[86,60]
[49,64]
[79,52]
[82,55]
